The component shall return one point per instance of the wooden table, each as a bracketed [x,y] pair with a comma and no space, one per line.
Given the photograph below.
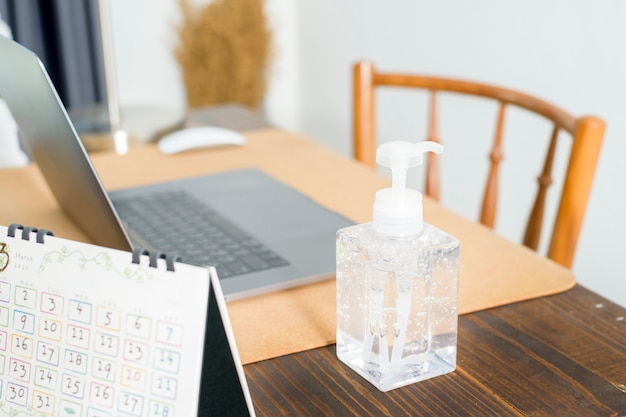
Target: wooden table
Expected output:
[562,355]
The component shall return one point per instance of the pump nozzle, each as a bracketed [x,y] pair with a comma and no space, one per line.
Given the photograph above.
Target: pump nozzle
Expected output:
[400,156]
[398,211]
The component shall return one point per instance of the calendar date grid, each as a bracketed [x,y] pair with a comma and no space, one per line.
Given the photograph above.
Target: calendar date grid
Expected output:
[66,355]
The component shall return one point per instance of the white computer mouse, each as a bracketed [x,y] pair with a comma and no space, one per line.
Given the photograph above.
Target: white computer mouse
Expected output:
[199,137]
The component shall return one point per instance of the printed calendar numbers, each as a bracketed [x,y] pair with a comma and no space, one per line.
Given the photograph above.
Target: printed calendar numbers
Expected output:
[78,336]
[167,360]
[50,329]
[17,394]
[52,304]
[131,404]
[107,344]
[22,345]
[103,369]
[19,370]
[72,383]
[102,394]
[139,326]
[164,386]
[108,318]
[169,333]
[46,377]
[48,353]
[133,377]
[79,311]
[25,297]
[135,351]
[75,361]
[159,409]
[73,386]
[43,402]
[23,322]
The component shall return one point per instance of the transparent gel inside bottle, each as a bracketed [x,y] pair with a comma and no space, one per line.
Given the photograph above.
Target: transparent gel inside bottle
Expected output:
[397,304]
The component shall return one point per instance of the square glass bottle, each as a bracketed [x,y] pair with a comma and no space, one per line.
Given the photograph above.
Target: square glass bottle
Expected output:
[397,285]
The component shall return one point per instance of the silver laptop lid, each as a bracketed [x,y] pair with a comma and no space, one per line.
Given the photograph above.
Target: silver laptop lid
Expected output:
[56,147]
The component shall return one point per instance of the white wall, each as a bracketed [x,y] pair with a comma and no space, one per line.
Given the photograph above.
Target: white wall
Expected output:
[569,52]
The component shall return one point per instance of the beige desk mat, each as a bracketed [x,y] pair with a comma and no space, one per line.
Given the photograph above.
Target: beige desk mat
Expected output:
[494,271]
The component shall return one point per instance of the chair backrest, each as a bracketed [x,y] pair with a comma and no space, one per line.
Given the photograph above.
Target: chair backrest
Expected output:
[587,134]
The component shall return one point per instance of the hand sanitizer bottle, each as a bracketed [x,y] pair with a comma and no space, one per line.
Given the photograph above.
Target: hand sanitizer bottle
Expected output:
[397,284]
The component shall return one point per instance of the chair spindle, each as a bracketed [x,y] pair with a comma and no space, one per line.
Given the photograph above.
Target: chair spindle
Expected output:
[535,222]
[364,122]
[432,174]
[490,200]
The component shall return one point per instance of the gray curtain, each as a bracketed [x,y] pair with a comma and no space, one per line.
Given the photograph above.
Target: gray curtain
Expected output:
[65,34]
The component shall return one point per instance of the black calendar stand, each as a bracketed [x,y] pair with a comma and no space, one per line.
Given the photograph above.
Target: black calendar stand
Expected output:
[221,392]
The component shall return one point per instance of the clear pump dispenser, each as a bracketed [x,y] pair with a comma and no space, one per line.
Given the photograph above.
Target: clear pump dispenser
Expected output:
[397,284]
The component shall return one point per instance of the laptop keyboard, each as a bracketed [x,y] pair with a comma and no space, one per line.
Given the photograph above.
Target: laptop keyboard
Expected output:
[175,222]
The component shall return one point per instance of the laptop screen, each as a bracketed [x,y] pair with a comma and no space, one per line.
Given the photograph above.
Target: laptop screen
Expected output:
[56,147]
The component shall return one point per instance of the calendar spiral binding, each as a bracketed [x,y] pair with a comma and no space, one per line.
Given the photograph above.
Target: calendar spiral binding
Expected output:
[27,231]
[154,256]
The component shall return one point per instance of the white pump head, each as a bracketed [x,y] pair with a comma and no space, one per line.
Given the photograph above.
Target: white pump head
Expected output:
[398,210]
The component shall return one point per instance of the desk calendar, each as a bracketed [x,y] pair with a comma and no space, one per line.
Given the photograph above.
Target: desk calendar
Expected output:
[87,331]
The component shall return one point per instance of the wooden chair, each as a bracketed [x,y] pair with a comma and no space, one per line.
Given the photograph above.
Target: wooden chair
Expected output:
[587,133]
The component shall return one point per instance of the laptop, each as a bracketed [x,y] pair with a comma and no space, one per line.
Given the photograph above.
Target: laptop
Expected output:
[287,238]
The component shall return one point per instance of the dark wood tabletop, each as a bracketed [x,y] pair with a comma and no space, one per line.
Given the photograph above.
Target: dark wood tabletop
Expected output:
[562,355]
